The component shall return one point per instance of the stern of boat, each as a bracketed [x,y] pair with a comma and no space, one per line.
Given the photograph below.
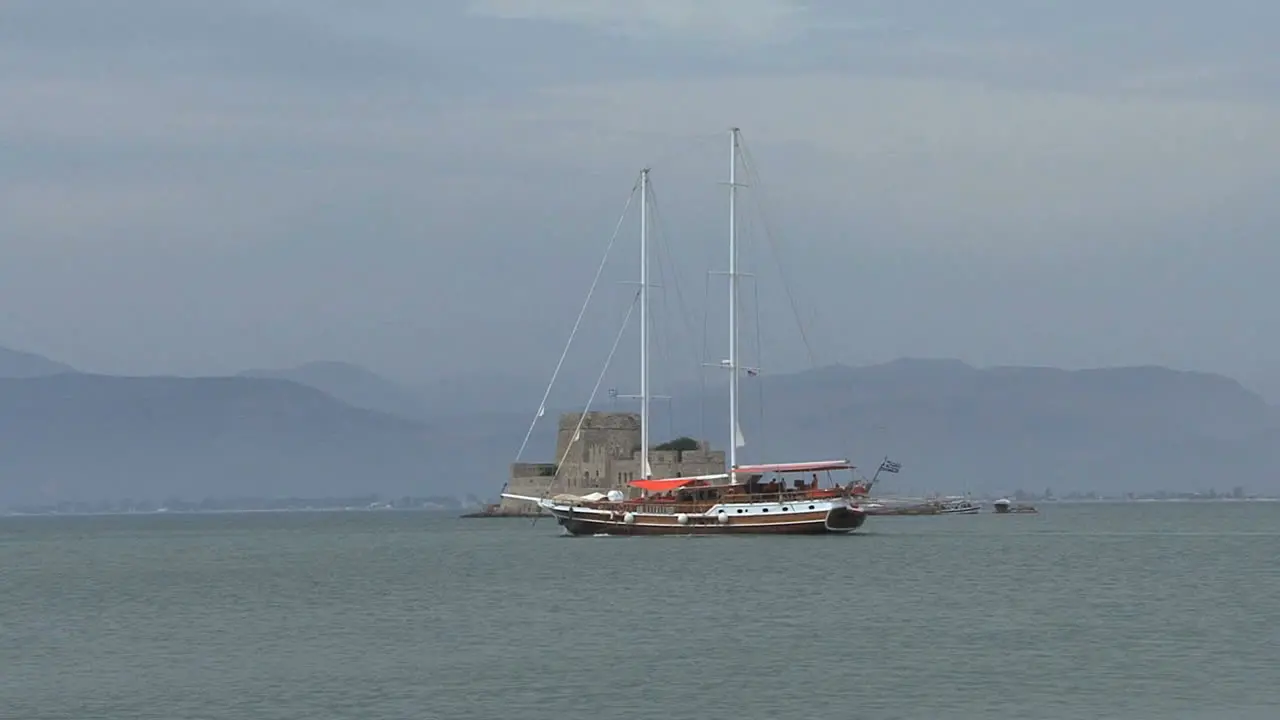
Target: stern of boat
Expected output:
[845,518]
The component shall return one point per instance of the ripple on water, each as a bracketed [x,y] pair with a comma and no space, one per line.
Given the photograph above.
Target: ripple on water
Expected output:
[1125,611]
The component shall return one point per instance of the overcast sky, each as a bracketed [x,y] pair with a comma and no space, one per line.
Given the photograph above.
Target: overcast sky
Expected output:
[426,188]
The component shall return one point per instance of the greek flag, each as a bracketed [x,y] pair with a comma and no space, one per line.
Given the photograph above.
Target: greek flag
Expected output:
[890,466]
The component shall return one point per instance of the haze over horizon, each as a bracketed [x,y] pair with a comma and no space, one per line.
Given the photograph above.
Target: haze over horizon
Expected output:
[425,190]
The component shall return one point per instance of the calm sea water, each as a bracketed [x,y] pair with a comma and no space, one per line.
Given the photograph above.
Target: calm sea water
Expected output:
[1166,611]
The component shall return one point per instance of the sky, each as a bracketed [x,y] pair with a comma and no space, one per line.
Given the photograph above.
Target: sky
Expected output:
[426,189]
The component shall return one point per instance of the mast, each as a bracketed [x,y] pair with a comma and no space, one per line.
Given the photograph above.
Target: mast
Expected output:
[645,396]
[733,307]
[644,324]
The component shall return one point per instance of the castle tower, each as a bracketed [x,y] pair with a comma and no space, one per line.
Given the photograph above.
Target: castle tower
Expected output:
[604,456]
[603,435]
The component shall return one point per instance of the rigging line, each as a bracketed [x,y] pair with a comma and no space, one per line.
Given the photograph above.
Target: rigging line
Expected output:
[749,243]
[617,340]
[542,406]
[749,307]
[665,246]
[749,166]
[667,268]
[748,163]
[702,364]
[755,291]
[682,306]
[661,337]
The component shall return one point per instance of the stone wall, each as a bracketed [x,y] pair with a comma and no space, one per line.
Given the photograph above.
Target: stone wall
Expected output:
[606,456]
[612,434]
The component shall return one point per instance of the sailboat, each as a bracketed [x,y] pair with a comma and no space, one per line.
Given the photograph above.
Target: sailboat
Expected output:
[746,499]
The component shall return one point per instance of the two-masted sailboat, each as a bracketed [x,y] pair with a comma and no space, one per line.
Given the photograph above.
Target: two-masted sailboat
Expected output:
[747,499]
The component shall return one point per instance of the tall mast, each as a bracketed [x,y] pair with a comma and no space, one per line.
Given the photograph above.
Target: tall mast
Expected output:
[733,307]
[645,396]
[644,324]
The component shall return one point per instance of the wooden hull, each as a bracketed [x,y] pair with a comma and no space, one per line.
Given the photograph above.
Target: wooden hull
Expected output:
[838,520]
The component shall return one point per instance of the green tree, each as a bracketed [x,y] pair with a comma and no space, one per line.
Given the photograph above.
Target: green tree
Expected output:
[680,444]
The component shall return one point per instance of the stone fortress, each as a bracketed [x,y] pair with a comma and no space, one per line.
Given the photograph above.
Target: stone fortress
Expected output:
[604,457]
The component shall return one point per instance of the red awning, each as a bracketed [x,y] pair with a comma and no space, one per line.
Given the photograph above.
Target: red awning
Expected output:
[659,485]
[796,467]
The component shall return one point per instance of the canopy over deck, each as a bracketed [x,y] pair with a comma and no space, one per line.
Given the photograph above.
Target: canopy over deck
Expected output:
[663,484]
[796,467]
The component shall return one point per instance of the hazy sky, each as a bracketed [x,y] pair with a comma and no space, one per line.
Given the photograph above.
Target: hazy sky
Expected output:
[426,187]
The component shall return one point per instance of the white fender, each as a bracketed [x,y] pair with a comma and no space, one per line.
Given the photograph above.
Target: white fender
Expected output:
[682,519]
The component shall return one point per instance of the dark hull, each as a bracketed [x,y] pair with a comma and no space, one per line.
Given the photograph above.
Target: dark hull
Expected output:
[839,521]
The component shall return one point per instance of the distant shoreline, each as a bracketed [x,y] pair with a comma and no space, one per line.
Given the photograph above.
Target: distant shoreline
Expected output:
[224,511]
[452,510]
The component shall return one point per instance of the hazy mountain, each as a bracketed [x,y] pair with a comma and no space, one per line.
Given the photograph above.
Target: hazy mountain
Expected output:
[19,364]
[486,394]
[96,437]
[954,428]
[353,385]
[958,428]
[448,399]
[1266,382]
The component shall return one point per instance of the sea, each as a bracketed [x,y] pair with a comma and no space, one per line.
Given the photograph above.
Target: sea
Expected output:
[1166,611]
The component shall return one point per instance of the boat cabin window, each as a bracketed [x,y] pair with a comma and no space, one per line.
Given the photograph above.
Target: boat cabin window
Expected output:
[698,495]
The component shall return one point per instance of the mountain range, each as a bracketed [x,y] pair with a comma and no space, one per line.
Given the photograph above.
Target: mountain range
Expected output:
[331,428]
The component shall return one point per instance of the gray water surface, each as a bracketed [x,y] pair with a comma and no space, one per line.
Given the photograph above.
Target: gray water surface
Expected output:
[1130,611]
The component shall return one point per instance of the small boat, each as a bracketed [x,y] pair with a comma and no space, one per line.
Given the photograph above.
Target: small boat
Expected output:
[890,508]
[1004,506]
[958,506]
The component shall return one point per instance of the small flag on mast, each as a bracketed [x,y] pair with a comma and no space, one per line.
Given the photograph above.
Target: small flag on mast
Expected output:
[890,466]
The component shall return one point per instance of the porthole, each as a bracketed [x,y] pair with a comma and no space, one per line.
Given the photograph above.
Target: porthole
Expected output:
[765,510]
[784,509]
[810,507]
